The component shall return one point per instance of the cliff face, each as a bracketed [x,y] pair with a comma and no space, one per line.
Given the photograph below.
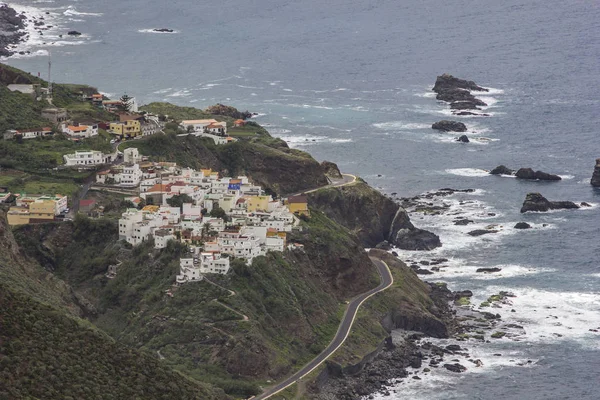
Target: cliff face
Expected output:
[358,207]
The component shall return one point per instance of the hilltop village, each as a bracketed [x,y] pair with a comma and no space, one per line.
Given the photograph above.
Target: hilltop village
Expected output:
[218,217]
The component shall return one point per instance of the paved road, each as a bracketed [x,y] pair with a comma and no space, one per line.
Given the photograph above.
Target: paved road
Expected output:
[347,179]
[340,336]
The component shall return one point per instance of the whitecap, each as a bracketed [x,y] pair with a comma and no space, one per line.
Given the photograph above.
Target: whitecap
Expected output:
[72,11]
[470,172]
[401,125]
[567,176]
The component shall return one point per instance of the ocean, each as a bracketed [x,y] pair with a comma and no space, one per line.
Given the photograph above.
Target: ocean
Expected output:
[350,82]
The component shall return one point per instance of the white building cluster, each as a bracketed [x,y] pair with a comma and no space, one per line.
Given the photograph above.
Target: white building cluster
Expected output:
[219,217]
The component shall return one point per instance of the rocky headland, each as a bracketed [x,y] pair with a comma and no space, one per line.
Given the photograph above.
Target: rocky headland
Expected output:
[595,181]
[537,202]
[11,29]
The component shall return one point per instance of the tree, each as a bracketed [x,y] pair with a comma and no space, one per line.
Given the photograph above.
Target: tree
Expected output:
[179,199]
[206,229]
[218,212]
[126,103]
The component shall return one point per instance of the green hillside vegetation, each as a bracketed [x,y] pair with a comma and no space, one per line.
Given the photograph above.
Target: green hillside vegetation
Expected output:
[19,111]
[45,354]
[293,301]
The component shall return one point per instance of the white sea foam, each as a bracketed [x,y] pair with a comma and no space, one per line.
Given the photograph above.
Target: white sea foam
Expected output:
[152,30]
[72,11]
[567,176]
[401,125]
[471,172]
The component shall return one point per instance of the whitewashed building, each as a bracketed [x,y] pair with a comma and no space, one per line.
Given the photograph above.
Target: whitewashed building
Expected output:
[88,158]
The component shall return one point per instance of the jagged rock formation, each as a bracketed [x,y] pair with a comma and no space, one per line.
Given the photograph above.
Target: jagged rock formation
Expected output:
[525,173]
[449,126]
[537,202]
[528,173]
[331,170]
[358,207]
[502,170]
[457,92]
[407,237]
[596,175]
[463,139]
[11,25]
[449,82]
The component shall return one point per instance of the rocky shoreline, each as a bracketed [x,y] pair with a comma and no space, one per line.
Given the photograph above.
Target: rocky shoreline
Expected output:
[12,25]
[408,354]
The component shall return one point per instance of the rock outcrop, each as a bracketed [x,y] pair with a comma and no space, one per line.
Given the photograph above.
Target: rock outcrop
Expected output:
[447,81]
[463,139]
[331,170]
[407,237]
[537,202]
[11,26]
[502,170]
[457,92]
[449,126]
[522,225]
[358,207]
[528,173]
[596,175]
[525,173]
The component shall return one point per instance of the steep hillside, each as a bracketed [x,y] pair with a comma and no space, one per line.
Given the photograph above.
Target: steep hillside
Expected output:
[293,301]
[266,160]
[47,352]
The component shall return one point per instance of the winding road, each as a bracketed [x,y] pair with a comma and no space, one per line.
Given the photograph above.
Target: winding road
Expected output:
[347,179]
[342,333]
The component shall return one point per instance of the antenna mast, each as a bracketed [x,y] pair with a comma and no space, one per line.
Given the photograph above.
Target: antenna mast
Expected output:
[49,76]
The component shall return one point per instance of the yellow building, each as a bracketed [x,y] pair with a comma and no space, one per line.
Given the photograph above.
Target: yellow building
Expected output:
[258,203]
[18,216]
[131,128]
[42,209]
[298,205]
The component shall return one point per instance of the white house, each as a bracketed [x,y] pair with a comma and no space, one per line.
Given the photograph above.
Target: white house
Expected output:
[89,157]
[239,245]
[131,175]
[80,131]
[194,265]
[131,155]
[196,125]
[162,237]
[33,133]
[128,221]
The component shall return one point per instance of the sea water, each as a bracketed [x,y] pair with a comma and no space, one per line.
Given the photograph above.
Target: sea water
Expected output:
[350,82]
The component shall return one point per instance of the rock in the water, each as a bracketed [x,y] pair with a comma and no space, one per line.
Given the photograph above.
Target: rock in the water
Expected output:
[471,113]
[406,236]
[596,175]
[423,271]
[489,270]
[452,95]
[528,173]
[447,81]
[463,139]
[479,232]
[74,33]
[502,170]
[537,202]
[463,293]
[331,170]
[163,30]
[456,367]
[522,225]
[464,221]
[449,126]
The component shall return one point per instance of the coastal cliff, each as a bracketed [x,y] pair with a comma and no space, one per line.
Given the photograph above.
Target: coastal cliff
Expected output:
[373,217]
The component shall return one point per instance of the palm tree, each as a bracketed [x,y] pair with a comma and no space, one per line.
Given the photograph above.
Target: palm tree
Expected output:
[206,229]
